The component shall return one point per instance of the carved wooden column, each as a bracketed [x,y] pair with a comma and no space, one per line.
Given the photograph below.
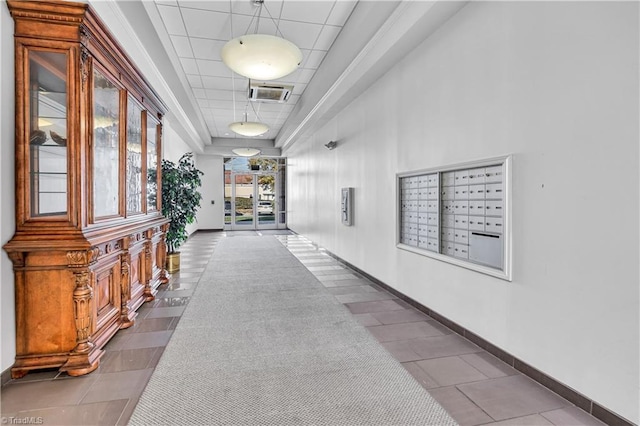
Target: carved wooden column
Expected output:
[162,254]
[84,358]
[148,266]
[126,320]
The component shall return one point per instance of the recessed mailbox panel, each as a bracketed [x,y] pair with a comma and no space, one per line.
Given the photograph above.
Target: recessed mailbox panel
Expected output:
[464,209]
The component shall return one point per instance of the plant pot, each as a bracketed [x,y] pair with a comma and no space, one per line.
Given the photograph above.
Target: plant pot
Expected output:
[173,262]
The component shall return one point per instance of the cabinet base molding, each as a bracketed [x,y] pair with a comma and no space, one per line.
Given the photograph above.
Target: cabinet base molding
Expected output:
[81,364]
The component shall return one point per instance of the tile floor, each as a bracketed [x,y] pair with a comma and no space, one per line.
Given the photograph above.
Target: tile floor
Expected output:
[472,385]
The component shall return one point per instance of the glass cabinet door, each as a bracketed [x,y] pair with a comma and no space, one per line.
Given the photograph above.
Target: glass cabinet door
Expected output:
[106,154]
[152,164]
[47,112]
[134,156]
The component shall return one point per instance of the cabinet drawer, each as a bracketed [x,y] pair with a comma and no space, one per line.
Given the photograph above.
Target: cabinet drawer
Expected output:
[433,180]
[461,207]
[461,236]
[461,221]
[432,219]
[476,192]
[432,244]
[494,208]
[432,193]
[493,224]
[423,181]
[476,176]
[422,229]
[493,174]
[423,193]
[462,192]
[493,190]
[476,223]
[423,218]
[432,232]
[461,251]
[432,206]
[422,206]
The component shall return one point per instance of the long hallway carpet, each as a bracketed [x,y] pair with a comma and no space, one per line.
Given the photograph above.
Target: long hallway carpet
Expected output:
[262,342]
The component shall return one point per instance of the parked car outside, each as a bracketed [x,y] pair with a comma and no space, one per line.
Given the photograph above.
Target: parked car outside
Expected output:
[265,207]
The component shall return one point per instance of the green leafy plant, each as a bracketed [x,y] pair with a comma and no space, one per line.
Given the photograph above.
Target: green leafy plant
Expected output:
[180,198]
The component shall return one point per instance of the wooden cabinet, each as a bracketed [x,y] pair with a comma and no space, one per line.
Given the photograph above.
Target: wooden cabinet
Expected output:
[89,245]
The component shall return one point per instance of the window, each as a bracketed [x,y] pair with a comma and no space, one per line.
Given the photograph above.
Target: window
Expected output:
[458,214]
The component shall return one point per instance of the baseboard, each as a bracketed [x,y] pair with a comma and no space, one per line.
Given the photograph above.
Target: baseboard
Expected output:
[596,410]
[5,377]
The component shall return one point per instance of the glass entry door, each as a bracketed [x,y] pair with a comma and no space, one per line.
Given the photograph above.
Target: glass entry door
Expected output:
[242,208]
[253,196]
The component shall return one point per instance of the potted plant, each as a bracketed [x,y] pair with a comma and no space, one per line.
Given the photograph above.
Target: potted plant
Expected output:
[180,201]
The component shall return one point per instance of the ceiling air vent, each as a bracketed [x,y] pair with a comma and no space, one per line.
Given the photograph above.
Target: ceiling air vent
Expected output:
[262,92]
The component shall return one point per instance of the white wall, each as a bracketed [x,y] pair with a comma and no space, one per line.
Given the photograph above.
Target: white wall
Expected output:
[211,216]
[555,84]
[7,193]
[173,147]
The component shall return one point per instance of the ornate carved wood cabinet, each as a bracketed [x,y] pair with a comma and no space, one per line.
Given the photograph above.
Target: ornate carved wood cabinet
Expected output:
[89,243]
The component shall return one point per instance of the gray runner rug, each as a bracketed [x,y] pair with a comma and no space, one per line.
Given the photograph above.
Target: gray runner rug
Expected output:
[262,342]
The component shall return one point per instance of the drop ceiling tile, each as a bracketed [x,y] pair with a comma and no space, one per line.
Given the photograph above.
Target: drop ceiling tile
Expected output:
[298,90]
[199,93]
[270,107]
[246,24]
[189,66]
[194,81]
[172,20]
[215,5]
[313,58]
[327,37]
[213,94]
[341,11]
[182,46]
[205,23]
[213,68]
[216,82]
[305,75]
[302,35]
[314,11]
[206,48]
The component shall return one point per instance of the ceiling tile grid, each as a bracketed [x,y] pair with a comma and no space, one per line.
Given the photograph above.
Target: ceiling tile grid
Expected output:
[199,29]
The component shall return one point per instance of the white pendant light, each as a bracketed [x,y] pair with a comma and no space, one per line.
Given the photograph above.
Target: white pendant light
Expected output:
[261,56]
[246,152]
[249,128]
